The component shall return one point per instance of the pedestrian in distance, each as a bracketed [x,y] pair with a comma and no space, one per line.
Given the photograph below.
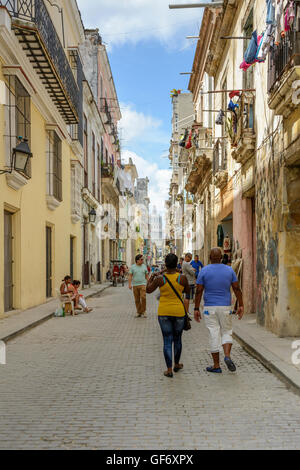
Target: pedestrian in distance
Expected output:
[171,312]
[196,264]
[179,265]
[215,280]
[138,277]
[189,272]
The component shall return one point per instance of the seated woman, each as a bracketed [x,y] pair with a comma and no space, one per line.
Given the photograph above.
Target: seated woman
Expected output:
[67,288]
[81,299]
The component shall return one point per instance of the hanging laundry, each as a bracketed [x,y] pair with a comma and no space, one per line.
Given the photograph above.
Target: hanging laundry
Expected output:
[270,12]
[265,44]
[232,106]
[250,53]
[189,142]
[279,33]
[244,66]
[289,16]
[183,138]
[220,118]
[232,94]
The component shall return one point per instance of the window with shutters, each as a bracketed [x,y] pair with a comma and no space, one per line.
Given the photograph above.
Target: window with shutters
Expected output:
[98,172]
[76,186]
[17,118]
[94,164]
[54,165]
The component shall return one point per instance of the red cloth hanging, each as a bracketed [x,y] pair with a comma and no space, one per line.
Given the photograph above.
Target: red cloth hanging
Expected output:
[189,142]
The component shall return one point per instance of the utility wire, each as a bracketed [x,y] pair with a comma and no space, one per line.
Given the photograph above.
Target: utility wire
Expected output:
[148,30]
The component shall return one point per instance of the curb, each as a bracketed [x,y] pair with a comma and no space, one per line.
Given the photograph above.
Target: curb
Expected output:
[41,320]
[283,371]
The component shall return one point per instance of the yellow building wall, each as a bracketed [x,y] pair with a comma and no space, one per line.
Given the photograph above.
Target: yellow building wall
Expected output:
[31,215]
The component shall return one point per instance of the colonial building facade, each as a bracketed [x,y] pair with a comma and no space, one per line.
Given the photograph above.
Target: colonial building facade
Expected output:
[58,112]
[41,96]
[243,166]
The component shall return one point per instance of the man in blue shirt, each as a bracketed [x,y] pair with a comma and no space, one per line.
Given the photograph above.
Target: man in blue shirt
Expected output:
[197,265]
[215,280]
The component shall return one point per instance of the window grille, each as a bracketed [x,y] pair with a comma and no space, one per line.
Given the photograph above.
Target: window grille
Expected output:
[17,118]
[76,185]
[54,165]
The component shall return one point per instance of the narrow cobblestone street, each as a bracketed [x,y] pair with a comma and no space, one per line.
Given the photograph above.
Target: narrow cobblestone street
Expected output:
[95,382]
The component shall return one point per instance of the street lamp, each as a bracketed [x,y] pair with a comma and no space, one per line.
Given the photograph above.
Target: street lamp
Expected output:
[92,216]
[20,157]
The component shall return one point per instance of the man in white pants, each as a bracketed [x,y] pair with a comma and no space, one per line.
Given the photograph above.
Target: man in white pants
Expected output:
[215,280]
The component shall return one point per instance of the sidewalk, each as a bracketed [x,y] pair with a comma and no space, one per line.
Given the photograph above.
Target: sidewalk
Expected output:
[273,352]
[22,321]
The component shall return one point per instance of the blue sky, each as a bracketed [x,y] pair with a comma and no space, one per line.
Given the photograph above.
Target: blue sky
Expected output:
[147,51]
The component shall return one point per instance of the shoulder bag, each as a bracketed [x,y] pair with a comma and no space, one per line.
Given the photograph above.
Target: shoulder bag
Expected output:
[187,322]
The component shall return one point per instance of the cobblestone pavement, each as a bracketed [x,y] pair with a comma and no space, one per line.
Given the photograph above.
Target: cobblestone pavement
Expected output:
[95,382]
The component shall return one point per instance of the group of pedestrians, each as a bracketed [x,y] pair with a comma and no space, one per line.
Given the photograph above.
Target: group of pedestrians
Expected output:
[177,279]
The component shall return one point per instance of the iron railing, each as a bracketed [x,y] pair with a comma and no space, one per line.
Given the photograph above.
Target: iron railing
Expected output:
[284,56]
[104,108]
[107,170]
[36,12]
[22,9]
[114,133]
[219,156]
[244,117]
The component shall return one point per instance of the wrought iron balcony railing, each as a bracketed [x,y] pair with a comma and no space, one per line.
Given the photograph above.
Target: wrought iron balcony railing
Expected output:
[245,117]
[284,56]
[107,170]
[104,108]
[36,32]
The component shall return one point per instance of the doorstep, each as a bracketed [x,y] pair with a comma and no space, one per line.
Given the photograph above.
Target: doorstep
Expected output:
[20,321]
[273,352]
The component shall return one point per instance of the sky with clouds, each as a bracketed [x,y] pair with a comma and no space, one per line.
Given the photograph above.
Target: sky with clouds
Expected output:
[147,47]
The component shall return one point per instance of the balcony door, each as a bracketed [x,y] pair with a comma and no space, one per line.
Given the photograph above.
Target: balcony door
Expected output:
[8,262]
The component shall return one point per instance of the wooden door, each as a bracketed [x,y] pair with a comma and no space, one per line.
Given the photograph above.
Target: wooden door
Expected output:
[8,262]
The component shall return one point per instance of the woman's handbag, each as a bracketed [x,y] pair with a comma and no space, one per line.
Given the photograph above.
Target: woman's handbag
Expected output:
[187,321]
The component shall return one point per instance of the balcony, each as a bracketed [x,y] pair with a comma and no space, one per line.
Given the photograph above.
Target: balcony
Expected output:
[115,136]
[109,180]
[220,172]
[36,33]
[284,71]
[104,109]
[243,138]
[107,171]
[199,170]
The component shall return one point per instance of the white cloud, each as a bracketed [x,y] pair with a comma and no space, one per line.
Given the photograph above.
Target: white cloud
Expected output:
[159,179]
[121,21]
[137,126]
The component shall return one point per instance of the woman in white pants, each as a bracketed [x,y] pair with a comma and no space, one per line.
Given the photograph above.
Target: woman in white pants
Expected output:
[81,299]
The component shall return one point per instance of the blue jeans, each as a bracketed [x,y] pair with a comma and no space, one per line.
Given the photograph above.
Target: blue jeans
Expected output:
[190,296]
[172,328]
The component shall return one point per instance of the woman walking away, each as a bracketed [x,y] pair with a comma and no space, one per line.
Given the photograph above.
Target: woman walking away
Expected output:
[171,311]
